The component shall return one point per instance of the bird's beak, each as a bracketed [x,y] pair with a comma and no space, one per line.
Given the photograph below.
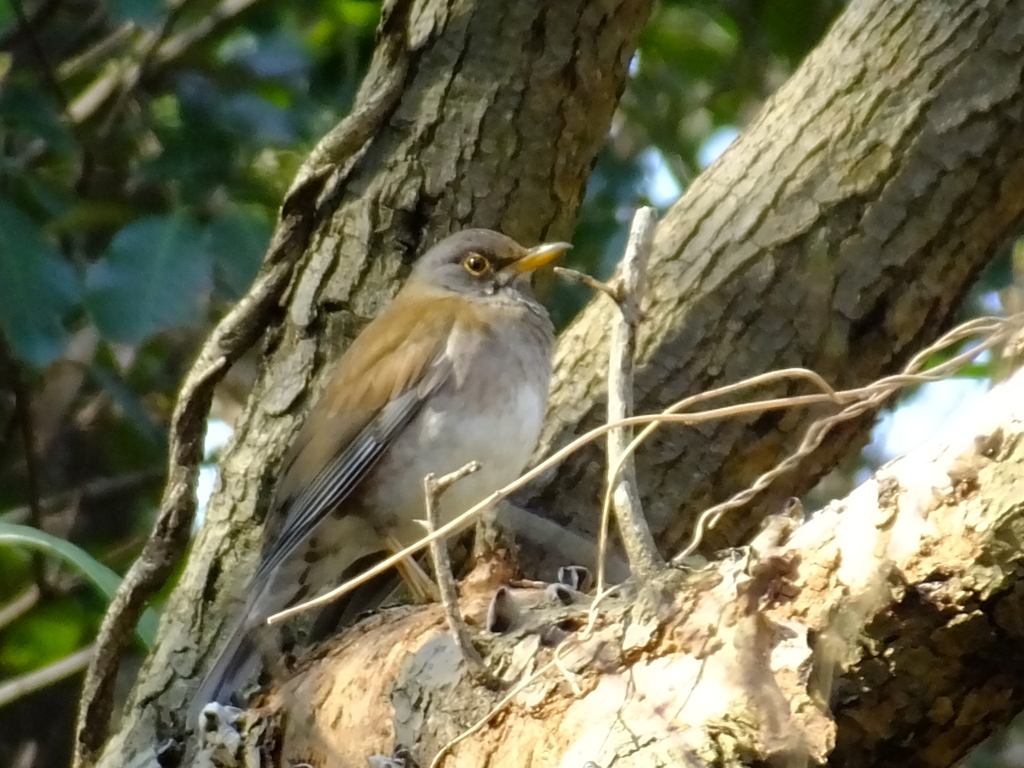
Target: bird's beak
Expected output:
[537,257]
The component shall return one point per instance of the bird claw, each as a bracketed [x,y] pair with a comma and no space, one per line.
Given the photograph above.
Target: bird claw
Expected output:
[400,758]
[215,718]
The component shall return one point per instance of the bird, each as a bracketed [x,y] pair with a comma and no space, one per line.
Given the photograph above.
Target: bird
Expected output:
[455,369]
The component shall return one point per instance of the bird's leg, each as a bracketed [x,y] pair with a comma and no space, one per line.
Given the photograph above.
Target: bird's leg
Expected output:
[421,586]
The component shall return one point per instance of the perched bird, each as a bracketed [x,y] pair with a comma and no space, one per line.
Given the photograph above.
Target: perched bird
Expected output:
[455,369]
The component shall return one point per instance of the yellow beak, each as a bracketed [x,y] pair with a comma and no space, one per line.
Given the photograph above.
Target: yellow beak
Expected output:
[538,256]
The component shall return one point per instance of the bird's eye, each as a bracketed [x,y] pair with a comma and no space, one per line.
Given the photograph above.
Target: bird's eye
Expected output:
[475,264]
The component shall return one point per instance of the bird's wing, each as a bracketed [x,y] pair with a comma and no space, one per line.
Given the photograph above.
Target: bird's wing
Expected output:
[357,418]
[379,385]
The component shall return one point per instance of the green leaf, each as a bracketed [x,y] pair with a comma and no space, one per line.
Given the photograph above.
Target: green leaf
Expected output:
[51,631]
[37,289]
[129,401]
[154,275]
[5,66]
[237,242]
[32,111]
[104,579]
[360,13]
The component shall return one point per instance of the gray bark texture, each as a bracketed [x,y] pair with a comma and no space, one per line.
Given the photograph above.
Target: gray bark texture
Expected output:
[474,113]
[839,234]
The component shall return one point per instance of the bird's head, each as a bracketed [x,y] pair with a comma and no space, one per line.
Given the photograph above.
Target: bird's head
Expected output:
[481,262]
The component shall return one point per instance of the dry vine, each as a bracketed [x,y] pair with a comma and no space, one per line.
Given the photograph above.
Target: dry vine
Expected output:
[989,332]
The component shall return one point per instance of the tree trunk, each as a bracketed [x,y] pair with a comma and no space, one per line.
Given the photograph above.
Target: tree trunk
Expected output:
[474,113]
[839,233]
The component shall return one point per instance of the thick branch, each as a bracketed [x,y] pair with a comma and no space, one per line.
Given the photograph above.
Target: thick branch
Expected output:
[889,626]
[838,233]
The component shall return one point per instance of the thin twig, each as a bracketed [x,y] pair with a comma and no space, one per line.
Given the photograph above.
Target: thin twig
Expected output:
[14,689]
[593,283]
[152,49]
[92,490]
[641,550]
[996,331]
[466,517]
[432,491]
[873,396]
[214,21]
[136,71]
[96,53]
[829,395]
[19,606]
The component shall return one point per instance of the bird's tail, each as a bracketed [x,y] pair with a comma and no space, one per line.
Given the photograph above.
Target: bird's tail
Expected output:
[239,662]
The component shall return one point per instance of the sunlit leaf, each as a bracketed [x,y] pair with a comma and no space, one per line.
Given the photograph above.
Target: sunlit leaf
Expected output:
[155,275]
[101,577]
[361,13]
[37,289]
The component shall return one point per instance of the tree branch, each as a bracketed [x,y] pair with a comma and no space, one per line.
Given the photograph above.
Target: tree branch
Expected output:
[432,490]
[846,609]
[807,245]
[12,690]
[644,559]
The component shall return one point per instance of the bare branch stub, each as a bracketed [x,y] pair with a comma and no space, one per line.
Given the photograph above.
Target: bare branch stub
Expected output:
[432,490]
[643,555]
[609,289]
[625,289]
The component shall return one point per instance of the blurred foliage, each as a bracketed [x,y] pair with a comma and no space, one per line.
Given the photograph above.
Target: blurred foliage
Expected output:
[146,146]
[95,572]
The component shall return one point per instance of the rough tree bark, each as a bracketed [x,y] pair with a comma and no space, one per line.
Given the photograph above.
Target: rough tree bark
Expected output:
[838,234]
[474,113]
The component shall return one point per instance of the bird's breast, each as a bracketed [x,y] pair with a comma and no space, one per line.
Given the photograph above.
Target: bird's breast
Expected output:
[490,410]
